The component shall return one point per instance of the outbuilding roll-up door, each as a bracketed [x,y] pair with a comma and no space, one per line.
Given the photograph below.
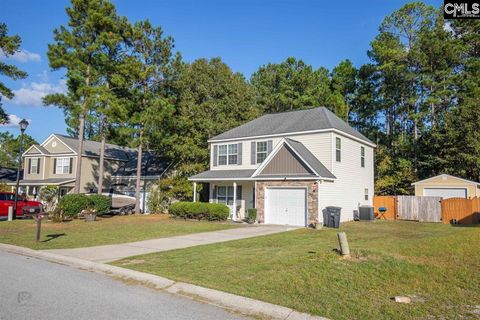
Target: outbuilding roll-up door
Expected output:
[286,206]
[446,192]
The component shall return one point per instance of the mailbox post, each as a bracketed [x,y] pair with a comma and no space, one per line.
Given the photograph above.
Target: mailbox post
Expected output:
[38,217]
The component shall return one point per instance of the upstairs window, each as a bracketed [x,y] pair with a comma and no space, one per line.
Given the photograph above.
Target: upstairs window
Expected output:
[62,165]
[262,151]
[34,168]
[362,157]
[338,149]
[227,154]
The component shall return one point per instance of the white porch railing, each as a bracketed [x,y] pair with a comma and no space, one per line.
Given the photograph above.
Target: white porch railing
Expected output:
[239,213]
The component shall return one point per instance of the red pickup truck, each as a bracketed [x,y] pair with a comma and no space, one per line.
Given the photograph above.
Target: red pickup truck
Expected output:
[24,206]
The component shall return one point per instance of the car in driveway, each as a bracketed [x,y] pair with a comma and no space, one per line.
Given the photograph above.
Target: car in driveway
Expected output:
[24,206]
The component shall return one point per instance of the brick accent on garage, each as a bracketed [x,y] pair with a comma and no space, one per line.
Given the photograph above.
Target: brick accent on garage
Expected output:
[312,197]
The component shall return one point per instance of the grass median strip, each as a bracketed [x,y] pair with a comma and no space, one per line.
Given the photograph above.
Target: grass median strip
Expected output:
[107,230]
[436,265]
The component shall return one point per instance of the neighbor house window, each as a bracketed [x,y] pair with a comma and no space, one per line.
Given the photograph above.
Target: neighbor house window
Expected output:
[62,165]
[366,194]
[227,154]
[338,149]
[362,157]
[33,165]
[261,151]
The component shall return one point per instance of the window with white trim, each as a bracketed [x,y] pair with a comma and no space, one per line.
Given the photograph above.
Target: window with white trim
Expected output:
[33,166]
[225,195]
[62,165]
[362,157]
[366,193]
[338,149]
[227,154]
[261,151]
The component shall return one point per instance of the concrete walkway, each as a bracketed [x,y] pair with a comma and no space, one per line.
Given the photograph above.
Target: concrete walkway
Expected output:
[108,253]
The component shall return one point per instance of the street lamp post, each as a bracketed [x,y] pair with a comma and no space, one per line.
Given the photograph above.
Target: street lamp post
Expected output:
[23,126]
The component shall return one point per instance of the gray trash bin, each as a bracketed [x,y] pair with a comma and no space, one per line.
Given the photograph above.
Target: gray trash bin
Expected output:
[333,217]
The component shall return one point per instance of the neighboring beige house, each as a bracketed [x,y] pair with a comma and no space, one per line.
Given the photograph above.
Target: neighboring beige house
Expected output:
[54,162]
[447,186]
[290,166]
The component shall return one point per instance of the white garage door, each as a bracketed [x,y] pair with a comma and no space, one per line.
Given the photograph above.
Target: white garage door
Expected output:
[446,192]
[286,206]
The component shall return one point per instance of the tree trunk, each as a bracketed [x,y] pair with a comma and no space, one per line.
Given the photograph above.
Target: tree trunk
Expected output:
[102,156]
[139,174]
[432,107]
[78,171]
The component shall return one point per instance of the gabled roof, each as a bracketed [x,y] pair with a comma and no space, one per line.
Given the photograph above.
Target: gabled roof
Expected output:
[90,148]
[319,170]
[310,159]
[448,176]
[39,149]
[316,119]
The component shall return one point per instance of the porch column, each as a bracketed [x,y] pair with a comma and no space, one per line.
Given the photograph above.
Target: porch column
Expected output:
[210,192]
[234,215]
[194,192]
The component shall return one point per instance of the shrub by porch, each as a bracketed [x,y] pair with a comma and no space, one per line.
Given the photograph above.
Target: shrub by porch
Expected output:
[199,211]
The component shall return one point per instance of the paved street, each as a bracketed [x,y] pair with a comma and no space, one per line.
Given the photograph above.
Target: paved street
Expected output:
[108,253]
[36,289]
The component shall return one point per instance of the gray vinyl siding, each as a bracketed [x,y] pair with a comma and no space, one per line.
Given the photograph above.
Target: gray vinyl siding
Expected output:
[285,162]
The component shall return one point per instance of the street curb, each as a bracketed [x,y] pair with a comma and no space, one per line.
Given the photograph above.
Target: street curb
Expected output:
[243,305]
[145,278]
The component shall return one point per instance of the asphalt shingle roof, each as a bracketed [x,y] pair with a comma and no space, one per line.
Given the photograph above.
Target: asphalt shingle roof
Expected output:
[288,122]
[151,166]
[92,148]
[223,174]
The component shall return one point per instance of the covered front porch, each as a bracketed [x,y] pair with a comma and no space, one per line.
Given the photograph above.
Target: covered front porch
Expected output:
[233,188]
[31,188]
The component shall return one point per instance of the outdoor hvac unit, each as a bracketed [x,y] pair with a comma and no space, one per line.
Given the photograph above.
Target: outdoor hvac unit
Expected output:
[366,213]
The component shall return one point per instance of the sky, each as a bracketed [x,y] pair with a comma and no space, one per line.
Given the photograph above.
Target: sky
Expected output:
[245,34]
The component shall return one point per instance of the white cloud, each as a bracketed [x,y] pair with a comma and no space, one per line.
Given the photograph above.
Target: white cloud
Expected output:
[13,121]
[22,56]
[32,94]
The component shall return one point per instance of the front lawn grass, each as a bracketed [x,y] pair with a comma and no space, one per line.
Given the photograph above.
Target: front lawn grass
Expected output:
[107,230]
[437,265]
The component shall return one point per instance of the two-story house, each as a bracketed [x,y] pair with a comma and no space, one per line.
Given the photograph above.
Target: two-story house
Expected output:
[290,166]
[54,162]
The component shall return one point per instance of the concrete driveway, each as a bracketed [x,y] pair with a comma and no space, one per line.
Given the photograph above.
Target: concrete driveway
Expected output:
[108,253]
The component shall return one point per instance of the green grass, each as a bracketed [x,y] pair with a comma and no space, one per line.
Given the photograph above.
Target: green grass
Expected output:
[111,230]
[438,265]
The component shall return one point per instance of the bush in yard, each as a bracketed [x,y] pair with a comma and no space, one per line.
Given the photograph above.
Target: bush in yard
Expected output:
[73,204]
[199,210]
[251,215]
[100,203]
[218,212]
